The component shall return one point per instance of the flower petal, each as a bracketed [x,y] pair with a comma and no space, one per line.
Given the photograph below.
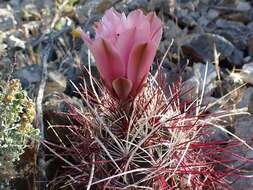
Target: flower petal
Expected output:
[111,24]
[127,40]
[124,45]
[155,27]
[137,19]
[111,18]
[139,63]
[122,87]
[108,61]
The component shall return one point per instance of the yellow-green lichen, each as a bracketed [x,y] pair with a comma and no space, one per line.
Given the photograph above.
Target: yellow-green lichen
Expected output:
[17,113]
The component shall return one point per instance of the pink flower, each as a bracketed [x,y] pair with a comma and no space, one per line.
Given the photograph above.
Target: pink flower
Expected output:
[124,49]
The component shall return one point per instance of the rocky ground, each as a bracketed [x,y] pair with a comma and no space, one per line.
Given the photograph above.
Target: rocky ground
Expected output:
[214,32]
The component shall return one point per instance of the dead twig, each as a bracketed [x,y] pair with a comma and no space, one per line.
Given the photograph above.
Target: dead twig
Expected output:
[45,37]
[217,68]
[39,117]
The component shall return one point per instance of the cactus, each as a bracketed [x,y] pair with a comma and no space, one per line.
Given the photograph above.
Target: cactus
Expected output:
[158,141]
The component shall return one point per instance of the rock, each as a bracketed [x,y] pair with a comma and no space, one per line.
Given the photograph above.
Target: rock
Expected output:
[190,89]
[247,100]
[3,47]
[250,26]
[227,3]
[199,71]
[194,85]
[246,73]
[171,30]
[207,2]
[29,75]
[201,49]
[89,7]
[45,4]
[87,15]
[243,183]
[212,14]
[58,103]
[186,19]
[248,68]
[163,5]
[235,32]
[132,5]
[250,46]
[244,128]
[249,166]
[243,6]
[84,55]
[14,42]
[3,35]
[81,14]
[217,134]
[92,8]
[203,21]
[67,63]
[247,59]
[54,106]
[242,17]
[245,166]
[7,20]
[72,74]
[5,65]
[188,4]
[30,13]
[175,72]
[54,103]
[31,28]
[103,5]
[56,82]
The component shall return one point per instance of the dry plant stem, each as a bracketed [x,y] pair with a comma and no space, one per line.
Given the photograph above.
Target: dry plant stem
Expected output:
[217,68]
[39,118]
[163,58]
